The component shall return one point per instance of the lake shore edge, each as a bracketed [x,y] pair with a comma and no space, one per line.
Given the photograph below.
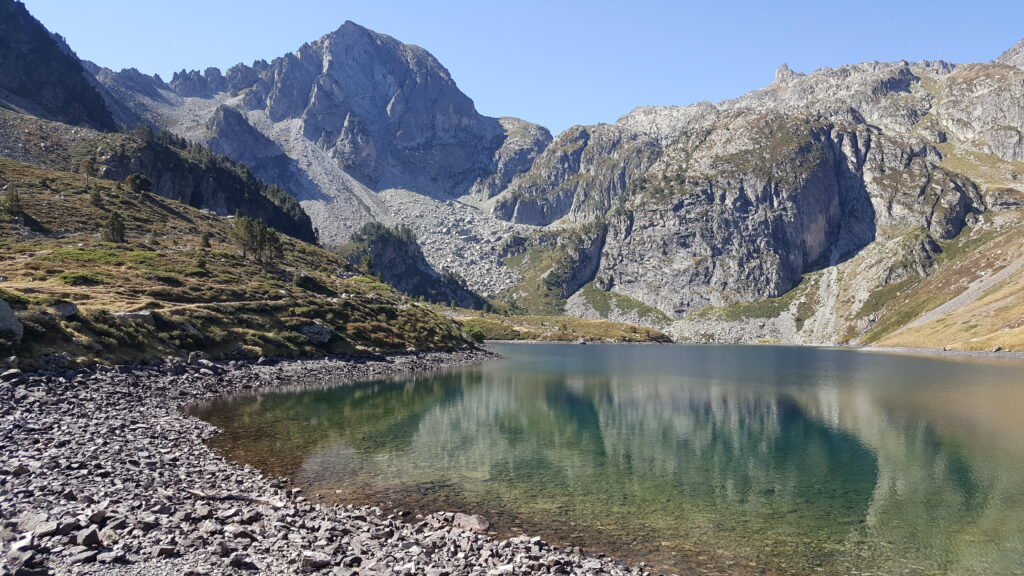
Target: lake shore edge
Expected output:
[103,471]
[933,352]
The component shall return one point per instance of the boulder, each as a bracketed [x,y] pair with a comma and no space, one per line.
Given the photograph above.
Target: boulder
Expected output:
[10,327]
[471,522]
[143,316]
[65,309]
[315,560]
[317,332]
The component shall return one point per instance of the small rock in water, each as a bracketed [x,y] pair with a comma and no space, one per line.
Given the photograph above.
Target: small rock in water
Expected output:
[471,522]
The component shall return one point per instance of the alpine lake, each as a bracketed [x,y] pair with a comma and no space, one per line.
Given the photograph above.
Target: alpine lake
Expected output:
[699,459]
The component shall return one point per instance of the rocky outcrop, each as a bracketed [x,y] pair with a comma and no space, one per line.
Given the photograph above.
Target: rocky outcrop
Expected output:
[713,205]
[41,78]
[1014,56]
[11,329]
[195,176]
[233,136]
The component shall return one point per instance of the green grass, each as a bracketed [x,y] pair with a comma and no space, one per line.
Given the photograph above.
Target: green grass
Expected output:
[767,308]
[83,278]
[604,303]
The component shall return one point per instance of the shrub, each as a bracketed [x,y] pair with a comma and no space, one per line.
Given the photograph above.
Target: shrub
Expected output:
[10,202]
[82,279]
[138,183]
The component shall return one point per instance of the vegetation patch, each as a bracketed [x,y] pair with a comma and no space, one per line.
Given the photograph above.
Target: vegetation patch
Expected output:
[83,278]
[555,329]
[604,303]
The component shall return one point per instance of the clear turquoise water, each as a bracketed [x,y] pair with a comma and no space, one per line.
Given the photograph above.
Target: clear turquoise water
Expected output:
[709,459]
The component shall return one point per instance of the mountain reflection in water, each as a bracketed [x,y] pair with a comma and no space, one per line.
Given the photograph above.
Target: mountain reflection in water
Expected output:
[796,459]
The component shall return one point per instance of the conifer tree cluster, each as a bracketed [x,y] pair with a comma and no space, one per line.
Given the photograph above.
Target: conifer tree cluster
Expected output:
[255,239]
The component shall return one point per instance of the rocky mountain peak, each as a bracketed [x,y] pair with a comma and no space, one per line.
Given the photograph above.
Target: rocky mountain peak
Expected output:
[784,75]
[1014,56]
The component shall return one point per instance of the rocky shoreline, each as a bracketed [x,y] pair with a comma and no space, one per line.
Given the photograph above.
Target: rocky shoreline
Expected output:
[102,472]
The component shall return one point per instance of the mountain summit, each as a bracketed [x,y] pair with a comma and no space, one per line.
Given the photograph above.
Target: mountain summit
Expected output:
[340,118]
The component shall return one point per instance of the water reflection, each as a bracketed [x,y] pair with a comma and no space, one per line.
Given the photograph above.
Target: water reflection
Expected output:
[799,459]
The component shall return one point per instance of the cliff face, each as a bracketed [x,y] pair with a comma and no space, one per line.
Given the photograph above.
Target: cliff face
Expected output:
[394,256]
[714,205]
[42,77]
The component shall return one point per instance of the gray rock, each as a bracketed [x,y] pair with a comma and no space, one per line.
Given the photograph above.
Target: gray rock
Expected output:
[471,522]
[315,560]
[317,332]
[143,316]
[65,309]
[29,521]
[10,375]
[240,560]
[88,537]
[85,557]
[164,550]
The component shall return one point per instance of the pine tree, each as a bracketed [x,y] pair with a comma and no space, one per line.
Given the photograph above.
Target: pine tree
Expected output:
[87,168]
[113,228]
[255,239]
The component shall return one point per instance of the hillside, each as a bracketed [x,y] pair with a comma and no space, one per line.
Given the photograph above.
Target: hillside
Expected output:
[161,292]
[174,167]
[41,76]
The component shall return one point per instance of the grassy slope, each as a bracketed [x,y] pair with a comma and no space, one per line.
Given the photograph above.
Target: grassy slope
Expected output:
[230,306]
[182,171]
[554,328]
[995,318]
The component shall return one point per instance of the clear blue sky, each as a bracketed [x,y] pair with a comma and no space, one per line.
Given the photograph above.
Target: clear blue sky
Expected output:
[555,62]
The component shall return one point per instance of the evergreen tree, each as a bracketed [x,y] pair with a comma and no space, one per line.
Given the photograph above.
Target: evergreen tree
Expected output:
[255,239]
[138,183]
[113,228]
[87,168]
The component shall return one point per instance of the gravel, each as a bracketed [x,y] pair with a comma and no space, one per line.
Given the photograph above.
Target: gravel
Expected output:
[102,472]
